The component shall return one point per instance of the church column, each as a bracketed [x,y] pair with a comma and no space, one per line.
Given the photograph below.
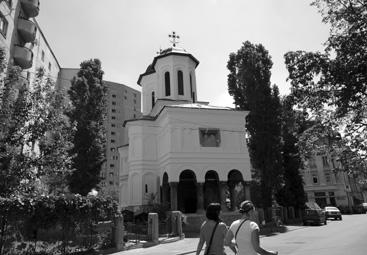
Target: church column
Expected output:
[200,194]
[246,186]
[173,190]
[222,195]
[232,194]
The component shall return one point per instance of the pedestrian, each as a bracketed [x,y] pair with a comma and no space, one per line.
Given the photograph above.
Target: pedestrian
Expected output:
[243,234]
[212,232]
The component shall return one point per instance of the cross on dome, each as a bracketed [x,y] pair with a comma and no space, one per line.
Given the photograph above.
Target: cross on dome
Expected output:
[174,37]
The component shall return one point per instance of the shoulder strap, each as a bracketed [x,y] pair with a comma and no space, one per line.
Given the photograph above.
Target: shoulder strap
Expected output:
[235,236]
[211,239]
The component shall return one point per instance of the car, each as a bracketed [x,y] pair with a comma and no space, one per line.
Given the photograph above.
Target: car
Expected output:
[364,206]
[313,214]
[331,212]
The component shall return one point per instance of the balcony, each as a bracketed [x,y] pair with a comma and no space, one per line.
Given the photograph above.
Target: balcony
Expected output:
[31,7]
[27,30]
[23,57]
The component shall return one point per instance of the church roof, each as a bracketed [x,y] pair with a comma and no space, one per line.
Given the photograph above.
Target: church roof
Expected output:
[164,53]
[203,106]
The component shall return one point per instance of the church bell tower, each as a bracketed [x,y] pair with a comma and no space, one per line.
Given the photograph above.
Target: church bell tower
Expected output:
[169,78]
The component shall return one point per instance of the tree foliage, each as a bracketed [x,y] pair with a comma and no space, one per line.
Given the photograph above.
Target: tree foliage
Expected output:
[87,95]
[332,84]
[293,124]
[249,84]
[33,133]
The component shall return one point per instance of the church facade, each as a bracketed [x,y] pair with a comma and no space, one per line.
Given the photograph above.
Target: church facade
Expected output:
[182,153]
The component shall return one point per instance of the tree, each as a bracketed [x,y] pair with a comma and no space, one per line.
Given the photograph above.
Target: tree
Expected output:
[31,115]
[333,85]
[87,94]
[292,193]
[249,84]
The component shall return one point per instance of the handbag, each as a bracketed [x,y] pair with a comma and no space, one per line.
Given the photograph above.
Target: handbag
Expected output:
[211,240]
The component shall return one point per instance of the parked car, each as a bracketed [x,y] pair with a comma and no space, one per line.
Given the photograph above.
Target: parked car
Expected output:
[332,212]
[364,206]
[313,214]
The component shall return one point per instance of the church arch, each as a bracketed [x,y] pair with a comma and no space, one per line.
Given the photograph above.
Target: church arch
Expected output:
[187,192]
[167,83]
[236,188]
[211,188]
[180,83]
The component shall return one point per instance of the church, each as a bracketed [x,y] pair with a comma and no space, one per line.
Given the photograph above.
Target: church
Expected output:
[182,153]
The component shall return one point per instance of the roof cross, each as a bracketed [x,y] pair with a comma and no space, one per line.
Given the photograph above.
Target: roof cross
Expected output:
[174,37]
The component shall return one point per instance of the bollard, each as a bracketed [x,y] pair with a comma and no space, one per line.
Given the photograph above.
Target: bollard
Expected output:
[119,232]
[176,222]
[153,232]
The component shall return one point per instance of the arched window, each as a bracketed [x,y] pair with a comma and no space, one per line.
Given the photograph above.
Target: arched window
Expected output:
[153,99]
[191,90]
[167,83]
[180,83]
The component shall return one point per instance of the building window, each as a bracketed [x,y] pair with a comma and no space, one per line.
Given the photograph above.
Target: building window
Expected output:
[180,83]
[113,133]
[134,95]
[167,83]
[43,56]
[146,188]
[209,137]
[327,178]
[112,149]
[191,90]
[153,99]
[134,116]
[113,110]
[315,179]
[113,125]
[112,141]
[113,96]
[3,25]
[111,174]
[113,103]
[49,66]
[325,161]
[111,182]
[134,101]
[112,165]
[125,97]
[113,117]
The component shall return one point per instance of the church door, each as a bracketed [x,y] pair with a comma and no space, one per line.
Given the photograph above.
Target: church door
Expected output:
[186,193]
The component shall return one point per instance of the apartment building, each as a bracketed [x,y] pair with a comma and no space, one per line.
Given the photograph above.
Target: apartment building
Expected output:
[326,184]
[22,38]
[123,103]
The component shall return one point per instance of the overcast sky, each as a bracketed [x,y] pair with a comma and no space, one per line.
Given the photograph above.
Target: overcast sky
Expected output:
[126,34]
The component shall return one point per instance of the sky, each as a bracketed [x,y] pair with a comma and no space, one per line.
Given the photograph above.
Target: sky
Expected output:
[127,34]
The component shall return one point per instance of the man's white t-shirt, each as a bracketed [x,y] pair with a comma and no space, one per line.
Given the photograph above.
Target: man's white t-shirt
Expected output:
[243,240]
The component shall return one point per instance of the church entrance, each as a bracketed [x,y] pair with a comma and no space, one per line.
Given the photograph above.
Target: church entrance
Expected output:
[187,193]
[211,188]
[236,187]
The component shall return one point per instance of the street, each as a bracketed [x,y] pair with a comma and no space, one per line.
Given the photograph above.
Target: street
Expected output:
[336,238]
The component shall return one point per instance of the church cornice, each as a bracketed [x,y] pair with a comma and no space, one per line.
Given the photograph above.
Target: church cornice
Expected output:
[151,68]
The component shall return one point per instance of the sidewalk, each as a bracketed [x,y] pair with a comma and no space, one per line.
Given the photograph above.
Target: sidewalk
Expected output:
[181,247]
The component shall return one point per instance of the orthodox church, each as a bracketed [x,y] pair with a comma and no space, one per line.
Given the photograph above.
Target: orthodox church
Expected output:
[182,153]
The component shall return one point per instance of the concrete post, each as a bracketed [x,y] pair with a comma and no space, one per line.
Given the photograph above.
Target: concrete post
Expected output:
[173,193]
[153,231]
[176,222]
[119,232]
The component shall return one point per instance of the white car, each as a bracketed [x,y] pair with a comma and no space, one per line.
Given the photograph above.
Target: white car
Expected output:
[332,212]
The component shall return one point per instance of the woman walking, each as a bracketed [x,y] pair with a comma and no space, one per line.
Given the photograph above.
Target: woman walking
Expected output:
[245,233]
[212,232]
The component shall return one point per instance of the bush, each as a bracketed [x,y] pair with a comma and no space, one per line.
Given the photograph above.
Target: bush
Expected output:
[68,221]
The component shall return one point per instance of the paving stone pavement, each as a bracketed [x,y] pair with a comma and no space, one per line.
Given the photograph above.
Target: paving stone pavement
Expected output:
[181,247]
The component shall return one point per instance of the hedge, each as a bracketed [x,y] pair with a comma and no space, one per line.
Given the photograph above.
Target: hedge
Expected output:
[24,221]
